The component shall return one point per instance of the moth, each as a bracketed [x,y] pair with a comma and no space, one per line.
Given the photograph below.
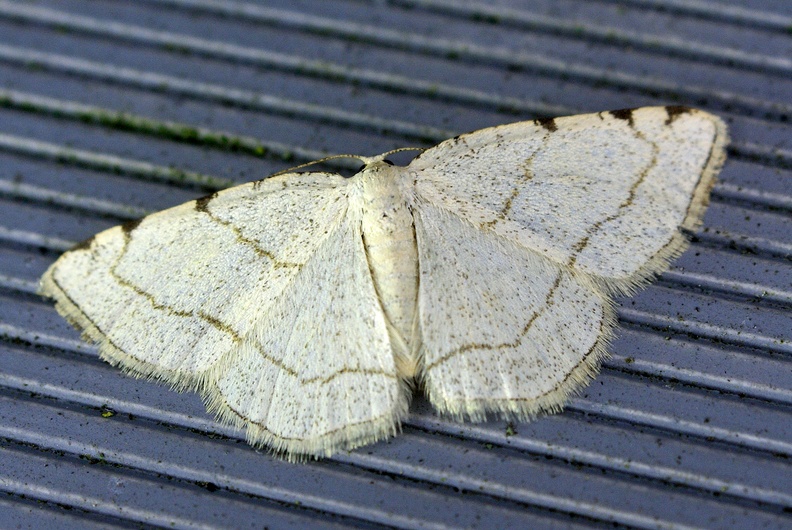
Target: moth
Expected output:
[306,308]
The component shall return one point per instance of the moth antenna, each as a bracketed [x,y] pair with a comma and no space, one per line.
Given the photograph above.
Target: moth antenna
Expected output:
[319,161]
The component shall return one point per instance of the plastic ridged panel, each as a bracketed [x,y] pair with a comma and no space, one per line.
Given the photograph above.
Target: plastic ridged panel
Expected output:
[111,109]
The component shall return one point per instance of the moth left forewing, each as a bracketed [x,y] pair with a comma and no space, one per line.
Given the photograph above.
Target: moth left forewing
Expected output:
[317,375]
[603,194]
[166,295]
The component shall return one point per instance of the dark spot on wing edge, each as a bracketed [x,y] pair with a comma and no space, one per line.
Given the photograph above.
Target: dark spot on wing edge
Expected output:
[623,114]
[203,202]
[128,227]
[674,111]
[547,123]
[83,245]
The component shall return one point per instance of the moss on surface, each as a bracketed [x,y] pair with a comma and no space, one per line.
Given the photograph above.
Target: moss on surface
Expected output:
[124,121]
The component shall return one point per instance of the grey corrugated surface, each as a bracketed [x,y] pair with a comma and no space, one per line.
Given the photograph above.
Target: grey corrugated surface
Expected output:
[688,424]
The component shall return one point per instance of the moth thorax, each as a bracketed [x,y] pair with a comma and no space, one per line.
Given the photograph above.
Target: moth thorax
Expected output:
[389,238]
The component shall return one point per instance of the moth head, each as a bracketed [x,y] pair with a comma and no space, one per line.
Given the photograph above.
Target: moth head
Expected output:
[375,165]
[381,161]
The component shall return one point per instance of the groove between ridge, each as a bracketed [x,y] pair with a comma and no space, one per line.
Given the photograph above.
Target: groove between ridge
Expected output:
[90,503]
[384,36]
[769,154]
[109,163]
[223,94]
[470,431]
[407,470]
[29,102]
[196,475]
[288,63]
[704,330]
[733,14]
[504,17]
[400,40]
[163,129]
[679,426]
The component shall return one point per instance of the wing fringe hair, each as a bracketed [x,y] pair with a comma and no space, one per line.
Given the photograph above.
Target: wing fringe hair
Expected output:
[382,424]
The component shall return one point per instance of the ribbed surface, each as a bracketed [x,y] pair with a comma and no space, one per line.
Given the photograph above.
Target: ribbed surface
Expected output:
[110,109]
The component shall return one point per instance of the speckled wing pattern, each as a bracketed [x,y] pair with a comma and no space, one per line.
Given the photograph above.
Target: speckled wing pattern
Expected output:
[205,296]
[272,298]
[524,233]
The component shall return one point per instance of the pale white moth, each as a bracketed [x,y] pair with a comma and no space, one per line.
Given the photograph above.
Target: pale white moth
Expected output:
[307,307]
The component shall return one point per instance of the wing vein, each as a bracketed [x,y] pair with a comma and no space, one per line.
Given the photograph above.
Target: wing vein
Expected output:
[633,191]
[202,205]
[514,344]
[211,320]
